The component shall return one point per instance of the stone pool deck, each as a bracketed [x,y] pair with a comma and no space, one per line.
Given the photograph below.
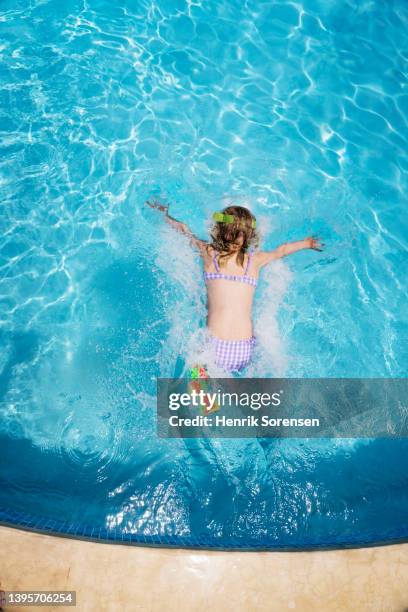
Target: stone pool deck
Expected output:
[110,577]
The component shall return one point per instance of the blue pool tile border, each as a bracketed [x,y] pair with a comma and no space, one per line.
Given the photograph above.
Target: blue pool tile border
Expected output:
[48,526]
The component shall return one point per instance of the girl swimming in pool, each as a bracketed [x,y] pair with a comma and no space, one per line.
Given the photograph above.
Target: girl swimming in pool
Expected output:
[231,271]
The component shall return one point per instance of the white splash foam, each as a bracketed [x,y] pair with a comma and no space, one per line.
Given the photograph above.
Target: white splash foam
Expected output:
[270,358]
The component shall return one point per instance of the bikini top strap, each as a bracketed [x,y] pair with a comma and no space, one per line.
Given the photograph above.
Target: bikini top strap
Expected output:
[248,262]
[216,263]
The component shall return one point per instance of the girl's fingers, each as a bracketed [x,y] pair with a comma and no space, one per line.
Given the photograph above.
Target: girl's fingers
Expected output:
[317,243]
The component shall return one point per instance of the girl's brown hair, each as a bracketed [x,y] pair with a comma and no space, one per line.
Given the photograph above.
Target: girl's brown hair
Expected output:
[225,235]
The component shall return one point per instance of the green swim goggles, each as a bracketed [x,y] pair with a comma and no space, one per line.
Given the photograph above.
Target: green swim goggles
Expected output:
[221,217]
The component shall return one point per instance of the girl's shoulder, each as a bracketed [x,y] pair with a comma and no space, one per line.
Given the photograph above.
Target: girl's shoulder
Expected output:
[209,251]
[256,257]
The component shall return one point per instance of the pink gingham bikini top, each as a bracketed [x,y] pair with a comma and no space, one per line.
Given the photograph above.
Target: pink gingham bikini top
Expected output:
[242,278]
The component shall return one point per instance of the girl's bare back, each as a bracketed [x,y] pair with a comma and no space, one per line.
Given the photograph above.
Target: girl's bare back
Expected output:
[229,299]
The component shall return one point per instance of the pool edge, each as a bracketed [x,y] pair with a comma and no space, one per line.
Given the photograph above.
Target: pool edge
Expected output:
[206,544]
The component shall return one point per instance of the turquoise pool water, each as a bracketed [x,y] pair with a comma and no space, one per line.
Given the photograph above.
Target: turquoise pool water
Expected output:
[296,109]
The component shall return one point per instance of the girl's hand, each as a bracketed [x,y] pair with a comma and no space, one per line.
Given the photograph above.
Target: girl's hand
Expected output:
[155,204]
[315,243]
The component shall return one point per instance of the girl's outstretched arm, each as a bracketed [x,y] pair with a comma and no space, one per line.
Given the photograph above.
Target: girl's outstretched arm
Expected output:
[178,225]
[264,257]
